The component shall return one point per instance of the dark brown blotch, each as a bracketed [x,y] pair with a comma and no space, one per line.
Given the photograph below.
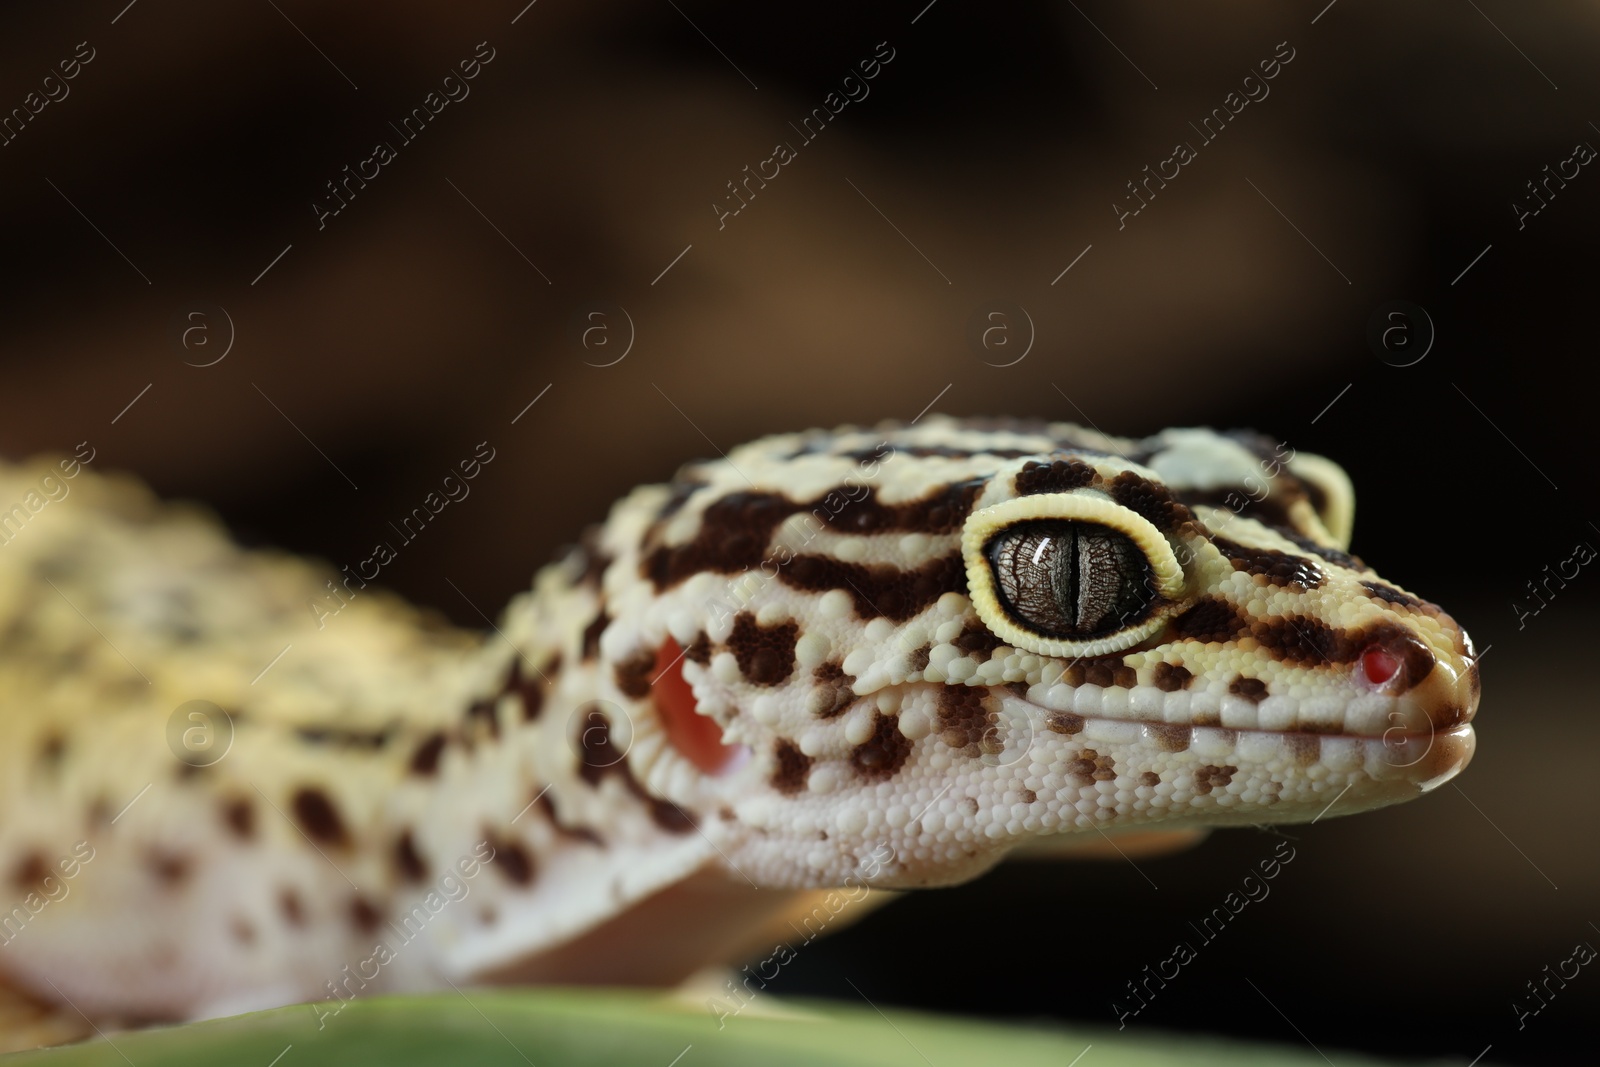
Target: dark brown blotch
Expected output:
[634,674]
[833,692]
[1150,779]
[1091,766]
[364,915]
[1065,722]
[239,816]
[882,755]
[408,860]
[1169,736]
[1211,777]
[318,817]
[1170,677]
[1151,501]
[1057,476]
[966,722]
[1211,619]
[31,871]
[790,767]
[425,760]
[978,639]
[293,908]
[1390,595]
[1275,567]
[592,632]
[171,869]
[1252,689]
[513,860]
[765,653]
[879,590]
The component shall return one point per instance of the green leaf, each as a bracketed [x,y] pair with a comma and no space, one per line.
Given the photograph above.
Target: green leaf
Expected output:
[576,1028]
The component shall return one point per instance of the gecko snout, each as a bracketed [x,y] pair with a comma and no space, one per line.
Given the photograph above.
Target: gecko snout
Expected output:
[1437,687]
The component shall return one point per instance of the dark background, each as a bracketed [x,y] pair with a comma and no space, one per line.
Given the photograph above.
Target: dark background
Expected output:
[450,292]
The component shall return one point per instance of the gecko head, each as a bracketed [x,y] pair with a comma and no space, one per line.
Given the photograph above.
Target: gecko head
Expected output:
[906,651]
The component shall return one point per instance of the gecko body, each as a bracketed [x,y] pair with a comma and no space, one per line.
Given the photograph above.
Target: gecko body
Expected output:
[881,656]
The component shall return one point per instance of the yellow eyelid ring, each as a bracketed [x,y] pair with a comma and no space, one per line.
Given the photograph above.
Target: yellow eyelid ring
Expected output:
[1081,506]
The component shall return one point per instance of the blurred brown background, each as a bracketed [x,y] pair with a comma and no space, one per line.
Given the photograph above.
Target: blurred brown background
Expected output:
[453,288]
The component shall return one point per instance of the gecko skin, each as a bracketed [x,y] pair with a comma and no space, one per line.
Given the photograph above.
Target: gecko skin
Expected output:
[886,656]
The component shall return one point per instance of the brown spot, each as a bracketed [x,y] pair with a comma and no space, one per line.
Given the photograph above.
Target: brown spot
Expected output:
[1092,766]
[1271,510]
[1208,778]
[919,659]
[1211,619]
[52,746]
[1057,476]
[1252,689]
[699,650]
[1169,736]
[240,817]
[482,718]
[408,859]
[765,653]
[969,805]
[1390,595]
[1097,673]
[634,674]
[879,590]
[242,931]
[599,757]
[1150,779]
[1323,552]
[1151,501]
[547,805]
[833,693]
[883,754]
[31,871]
[530,691]
[1304,748]
[594,559]
[1073,675]
[1304,641]
[425,760]
[736,530]
[318,817]
[1276,568]
[592,632]
[513,859]
[1207,718]
[339,737]
[978,639]
[1064,722]
[1027,796]
[789,776]
[966,722]
[1170,677]
[364,915]
[169,868]
[487,915]
[293,910]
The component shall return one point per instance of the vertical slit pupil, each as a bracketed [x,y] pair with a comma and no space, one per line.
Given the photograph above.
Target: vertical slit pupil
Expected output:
[1069,579]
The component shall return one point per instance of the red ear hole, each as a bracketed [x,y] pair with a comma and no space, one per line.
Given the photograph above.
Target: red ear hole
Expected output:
[697,737]
[1379,665]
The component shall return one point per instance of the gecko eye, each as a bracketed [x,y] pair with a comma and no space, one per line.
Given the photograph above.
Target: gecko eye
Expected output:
[1071,580]
[1070,574]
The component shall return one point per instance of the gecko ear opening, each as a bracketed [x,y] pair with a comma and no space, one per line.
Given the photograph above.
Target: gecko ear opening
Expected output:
[695,736]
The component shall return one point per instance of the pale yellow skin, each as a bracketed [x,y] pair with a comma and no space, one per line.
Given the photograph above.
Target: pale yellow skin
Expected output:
[117,611]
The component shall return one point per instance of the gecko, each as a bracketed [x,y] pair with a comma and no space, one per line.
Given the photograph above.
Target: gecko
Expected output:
[884,656]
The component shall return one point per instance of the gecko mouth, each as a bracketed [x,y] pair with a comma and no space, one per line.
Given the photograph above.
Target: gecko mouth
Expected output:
[1429,756]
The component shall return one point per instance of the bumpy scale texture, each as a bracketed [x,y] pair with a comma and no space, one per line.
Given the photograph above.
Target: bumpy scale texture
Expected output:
[788,668]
